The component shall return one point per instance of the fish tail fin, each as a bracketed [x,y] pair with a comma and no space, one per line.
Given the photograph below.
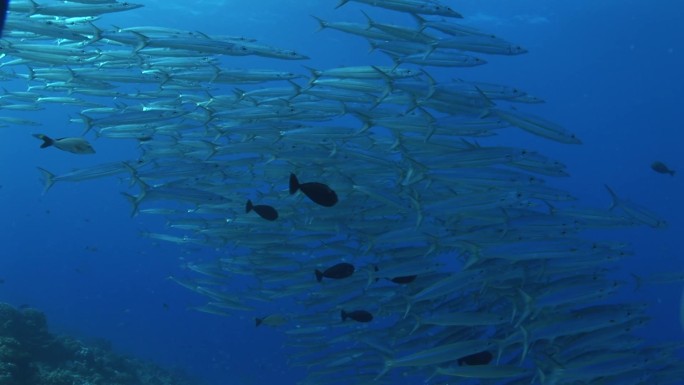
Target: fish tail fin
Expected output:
[420,21]
[375,45]
[383,74]
[96,32]
[296,88]
[615,200]
[258,321]
[343,315]
[249,206]
[34,7]
[47,141]
[525,344]
[417,325]
[315,74]
[142,43]
[88,123]
[371,22]
[341,3]
[134,173]
[48,179]
[408,306]
[472,259]
[371,277]
[432,83]
[365,119]
[397,62]
[388,364]
[319,276]
[322,24]
[135,201]
[527,301]
[294,184]
[239,93]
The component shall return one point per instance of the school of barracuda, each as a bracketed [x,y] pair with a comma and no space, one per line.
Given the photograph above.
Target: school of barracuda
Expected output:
[437,258]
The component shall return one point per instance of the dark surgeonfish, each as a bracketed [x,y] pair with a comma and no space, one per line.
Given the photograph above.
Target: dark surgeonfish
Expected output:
[264,211]
[4,5]
[481,358]
[317,192]
[73,145]
[404,280]
[661,168]
[357,315]
[339,271]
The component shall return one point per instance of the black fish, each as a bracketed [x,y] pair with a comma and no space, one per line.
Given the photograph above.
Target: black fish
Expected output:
[481,358]
[357,315]
[339,271]
[4,4]
[661,168]
[266,212]
[404,279]
[317,192]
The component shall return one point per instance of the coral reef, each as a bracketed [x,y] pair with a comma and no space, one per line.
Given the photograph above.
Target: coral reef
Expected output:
[30,355]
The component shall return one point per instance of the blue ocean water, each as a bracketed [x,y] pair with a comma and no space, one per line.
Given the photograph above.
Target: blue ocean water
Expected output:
[610,71]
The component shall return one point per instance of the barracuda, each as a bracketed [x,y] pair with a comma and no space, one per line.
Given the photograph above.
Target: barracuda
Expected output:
[73,9]
[438,355]
[426,7]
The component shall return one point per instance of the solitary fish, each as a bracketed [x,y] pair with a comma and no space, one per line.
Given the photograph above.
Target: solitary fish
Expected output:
[264,211]
[339,271]
[317,192]
[481,358]
[661,168]
[357,315]
[73,145]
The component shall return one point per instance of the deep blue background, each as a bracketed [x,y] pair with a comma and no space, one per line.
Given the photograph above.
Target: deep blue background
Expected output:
[610,71]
